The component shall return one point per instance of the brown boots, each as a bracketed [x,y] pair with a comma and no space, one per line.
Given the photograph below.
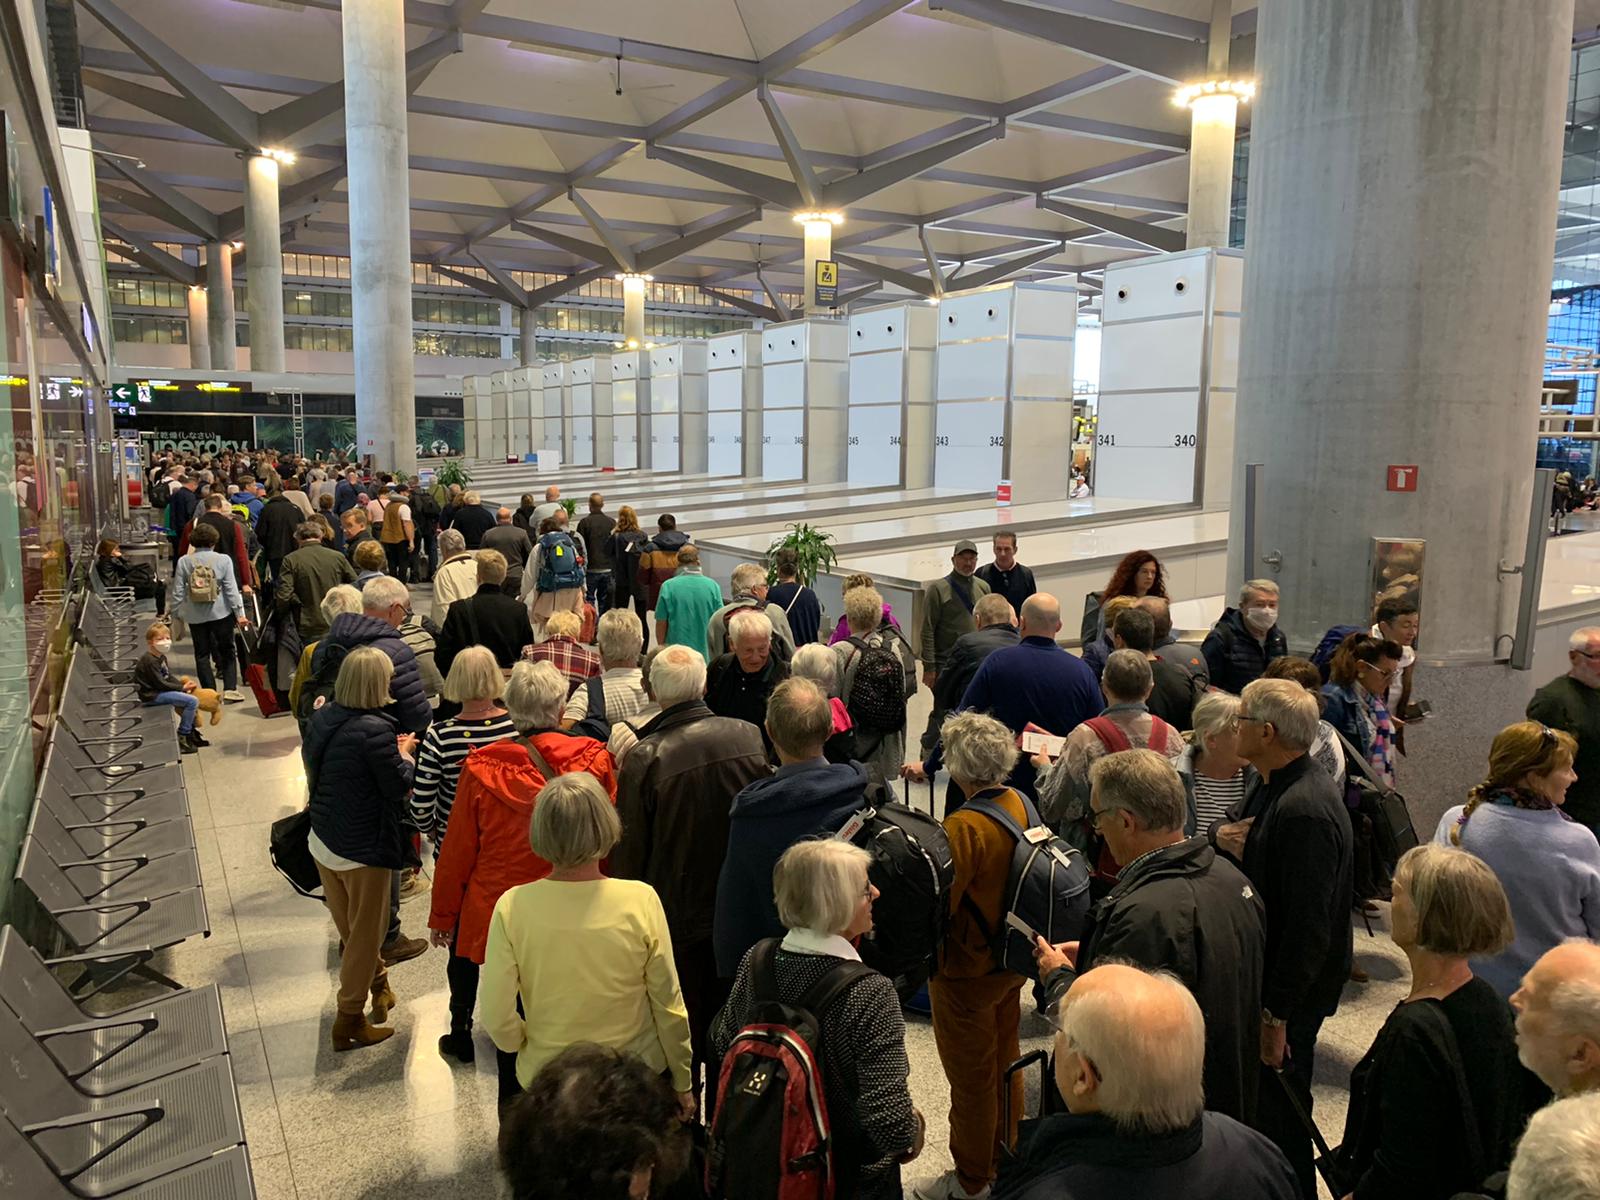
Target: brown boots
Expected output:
[382,1001]
[351,1030]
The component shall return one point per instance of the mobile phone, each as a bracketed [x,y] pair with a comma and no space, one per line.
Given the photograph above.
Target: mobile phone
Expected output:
[1022,927]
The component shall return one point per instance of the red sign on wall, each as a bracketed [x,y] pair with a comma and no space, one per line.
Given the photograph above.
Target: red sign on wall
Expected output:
[1403,478]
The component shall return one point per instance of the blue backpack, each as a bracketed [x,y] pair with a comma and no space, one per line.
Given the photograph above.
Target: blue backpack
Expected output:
[1322,656]
[558,565]
[1047,888]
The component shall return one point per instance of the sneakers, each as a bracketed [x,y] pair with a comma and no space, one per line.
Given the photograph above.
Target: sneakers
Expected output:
[947,1187]
[403,948]
[233,696]
[413,885]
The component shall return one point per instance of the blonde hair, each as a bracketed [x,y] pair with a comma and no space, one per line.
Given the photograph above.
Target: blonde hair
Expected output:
[818,883]
[563,624]
[1519,750]
[858,580]
[371,556]
[863,609]
[574,821]
[156,629]
[1114,607]
[1461,908]
[491,567]
[474,675]
[1214,713]
[363,680]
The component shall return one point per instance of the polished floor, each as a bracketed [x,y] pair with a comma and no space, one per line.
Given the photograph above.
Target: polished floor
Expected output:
[396,1120]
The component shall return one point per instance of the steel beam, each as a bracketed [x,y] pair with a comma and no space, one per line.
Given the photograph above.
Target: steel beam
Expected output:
[1005,270]
[848,298]
[561,287]
[484,287]
[180,110]
[175,206]
[793,153]
[778,305]
[1168,241]
[912,283]
[743,305]
[621,251]
[1110,131]
[766,187]
[314,189]
[156,259]
[841,192]
[1152,54]
[301,117]
[572,245]
[935,272]
[516,294]
[693,237]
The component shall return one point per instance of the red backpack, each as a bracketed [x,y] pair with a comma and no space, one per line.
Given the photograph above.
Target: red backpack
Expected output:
[771,1137]
[1115,741]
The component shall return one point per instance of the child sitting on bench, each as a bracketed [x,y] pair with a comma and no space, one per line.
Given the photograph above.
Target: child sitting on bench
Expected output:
[158,685]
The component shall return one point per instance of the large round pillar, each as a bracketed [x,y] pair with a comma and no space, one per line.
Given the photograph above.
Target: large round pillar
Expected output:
[221,316]
[633,309]
[380,231]
[1213,121]
[263,264]
[199,331]
[528,325]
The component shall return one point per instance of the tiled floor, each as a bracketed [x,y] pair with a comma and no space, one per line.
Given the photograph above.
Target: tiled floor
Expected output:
[396,1120]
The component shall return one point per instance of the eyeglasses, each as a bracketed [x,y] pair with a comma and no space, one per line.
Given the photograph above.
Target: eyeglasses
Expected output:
[1097,814]
[1384,675]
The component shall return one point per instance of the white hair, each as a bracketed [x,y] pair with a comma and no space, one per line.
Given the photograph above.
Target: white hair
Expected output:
[819,664]
[1256,587]
[749,623]
[1287,707]
[818,883]
[677,674]
[1581,638]
[535,695]
[746,578]
[1558,1157]
[1214,713]
[451,541]
[339,600]
[384,592]
[620,637]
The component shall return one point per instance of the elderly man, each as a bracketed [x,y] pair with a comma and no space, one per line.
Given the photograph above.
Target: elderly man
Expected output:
[457,576]
[1177,907]
[807,795]
[1572,703]
[947,607]
[1558,1157]
[561,648]
[739,683]
[473,520]
[996,621]
[306,576]
[1129,1048]
[513,544]
[1558,1018]
[685,604]
[230,537]
[1245,639]
[488,618]
[552,504]
[617,693]
[749,584]
[674,794]
[344,492]
[595,530]
[1298,856]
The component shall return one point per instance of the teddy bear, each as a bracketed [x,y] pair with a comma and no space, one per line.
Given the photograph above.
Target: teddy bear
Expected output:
[210,701]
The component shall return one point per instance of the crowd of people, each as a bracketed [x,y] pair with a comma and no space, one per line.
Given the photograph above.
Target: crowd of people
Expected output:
[645,855]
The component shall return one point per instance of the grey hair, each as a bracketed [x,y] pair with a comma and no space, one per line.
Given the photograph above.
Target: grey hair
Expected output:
[1143,783]
[1127,675]
[620,637]
[799,717]
[384,592]
[819,664]
[1214,713]
[451,541]
[1558,1157]
[1256,587]
[1150,1071]
[1581,638]
[574,821]
[340,600]
[818,883]
[749,623]
[993,609]
[746,578]
[1287,707]
[863,609]
[472,499]
[978,749]
[678,674]
[535,695]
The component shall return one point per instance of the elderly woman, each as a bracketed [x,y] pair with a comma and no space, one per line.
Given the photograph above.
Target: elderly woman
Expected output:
[485,849]
[842,630]
[475,683]
[1359,676]
[882,750]
[359,768]
[1548,864]
[1436,1105]
[1213,774]
[820,664]
[562,650]
[825,903]
[341,598]
[590,958]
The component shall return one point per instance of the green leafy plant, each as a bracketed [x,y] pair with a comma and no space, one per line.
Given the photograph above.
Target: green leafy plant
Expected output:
[571,506]
[813,552]
[453,471]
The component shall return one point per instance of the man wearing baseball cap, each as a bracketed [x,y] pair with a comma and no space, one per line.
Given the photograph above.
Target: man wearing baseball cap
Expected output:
[947,606]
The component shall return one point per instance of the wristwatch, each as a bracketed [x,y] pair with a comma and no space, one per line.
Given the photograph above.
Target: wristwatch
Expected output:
[1268,1019]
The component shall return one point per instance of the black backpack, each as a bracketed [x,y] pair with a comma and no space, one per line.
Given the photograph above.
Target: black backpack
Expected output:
[877,699]
[594,723]
[318,690]
[160,494]
[771,1135]
[912,868]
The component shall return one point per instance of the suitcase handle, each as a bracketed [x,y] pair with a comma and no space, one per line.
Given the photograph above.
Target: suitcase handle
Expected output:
[1042,1057]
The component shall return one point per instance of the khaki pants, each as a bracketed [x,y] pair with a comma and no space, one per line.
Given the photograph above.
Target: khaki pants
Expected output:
[975,1028]
[358,901]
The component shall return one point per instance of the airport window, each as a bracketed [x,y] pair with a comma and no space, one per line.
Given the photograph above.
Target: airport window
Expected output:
[438,310]
[337,338]
[299,303]
[151,331]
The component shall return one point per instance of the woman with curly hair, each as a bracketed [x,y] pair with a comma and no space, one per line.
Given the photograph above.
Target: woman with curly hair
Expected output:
[1548,864]
[1139,574]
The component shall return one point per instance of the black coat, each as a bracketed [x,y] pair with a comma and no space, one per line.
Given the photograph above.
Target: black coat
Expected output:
[472,522]
[491,618]
[1300,858]
[1083,1157]
[359,782]
[276,525]
[1186,910]
[731,692]
[1234,657]
[410,710]
[966,656]
[350,545]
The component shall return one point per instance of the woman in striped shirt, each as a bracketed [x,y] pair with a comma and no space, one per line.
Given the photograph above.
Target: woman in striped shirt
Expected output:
[1213,773]
[476,684]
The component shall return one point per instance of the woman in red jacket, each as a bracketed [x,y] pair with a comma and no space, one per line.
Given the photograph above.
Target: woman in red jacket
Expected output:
[486,847]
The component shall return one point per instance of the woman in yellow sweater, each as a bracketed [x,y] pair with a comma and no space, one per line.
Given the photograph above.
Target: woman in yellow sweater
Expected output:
[590,957]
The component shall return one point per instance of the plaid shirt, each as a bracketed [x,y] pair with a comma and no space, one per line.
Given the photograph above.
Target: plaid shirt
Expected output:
[567,655]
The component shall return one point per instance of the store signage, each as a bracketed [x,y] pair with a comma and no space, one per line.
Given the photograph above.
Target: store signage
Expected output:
[1403,478]
[214,386]
[827,282]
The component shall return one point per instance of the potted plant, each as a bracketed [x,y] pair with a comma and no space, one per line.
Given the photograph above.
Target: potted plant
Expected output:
[813,552]
[453,471]
[571,506]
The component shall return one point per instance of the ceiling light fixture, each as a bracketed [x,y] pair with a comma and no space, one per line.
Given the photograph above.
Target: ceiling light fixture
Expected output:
[279,154]
[1240,89]
[627,275]
[810,216]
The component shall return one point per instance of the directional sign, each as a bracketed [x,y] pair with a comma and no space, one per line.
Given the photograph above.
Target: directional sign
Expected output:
[52,390]
[144,393]
[122,393]
[827,282]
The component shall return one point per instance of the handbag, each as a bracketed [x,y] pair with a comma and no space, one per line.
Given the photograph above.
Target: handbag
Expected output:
[289,845]
[1392,829]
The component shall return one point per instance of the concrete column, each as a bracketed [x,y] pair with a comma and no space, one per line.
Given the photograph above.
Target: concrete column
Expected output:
[264,265]
[1213,120]
[633,309]
[199,331]
[220,314]
[1403,174]
[528,322]
[819,248]
[380,230]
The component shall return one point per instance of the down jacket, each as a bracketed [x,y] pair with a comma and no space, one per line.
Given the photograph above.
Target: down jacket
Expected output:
[1233,655]
[359,781]
[658,562]
[486,847]
[410,710]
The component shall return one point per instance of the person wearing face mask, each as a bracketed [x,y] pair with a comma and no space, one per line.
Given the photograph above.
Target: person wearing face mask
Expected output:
[1245,639]
[1572,703]
[1005,575]
[1548,863]
[158,685]
[947,606]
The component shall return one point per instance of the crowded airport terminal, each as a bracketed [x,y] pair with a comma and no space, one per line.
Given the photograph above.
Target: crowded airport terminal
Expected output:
[848,600]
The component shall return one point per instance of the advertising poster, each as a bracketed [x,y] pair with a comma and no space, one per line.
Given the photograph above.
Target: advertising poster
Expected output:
[196,434]
[326,436]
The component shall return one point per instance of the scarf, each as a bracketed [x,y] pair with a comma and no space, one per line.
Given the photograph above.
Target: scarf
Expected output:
[1381,756]
[1518,797]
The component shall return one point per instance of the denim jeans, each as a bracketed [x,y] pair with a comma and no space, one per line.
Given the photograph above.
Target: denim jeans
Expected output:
[184,702]
[598,588]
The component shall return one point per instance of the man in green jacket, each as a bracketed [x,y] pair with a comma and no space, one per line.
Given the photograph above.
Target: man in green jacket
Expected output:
[947,614]
[307,573]
[1572,703]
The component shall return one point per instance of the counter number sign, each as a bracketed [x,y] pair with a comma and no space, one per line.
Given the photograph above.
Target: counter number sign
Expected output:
[827,282]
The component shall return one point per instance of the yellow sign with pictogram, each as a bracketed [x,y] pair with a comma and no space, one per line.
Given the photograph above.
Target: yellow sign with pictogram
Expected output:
[827,282]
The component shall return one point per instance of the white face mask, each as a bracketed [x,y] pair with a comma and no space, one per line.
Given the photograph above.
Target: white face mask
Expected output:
[1261,619]
[162,645]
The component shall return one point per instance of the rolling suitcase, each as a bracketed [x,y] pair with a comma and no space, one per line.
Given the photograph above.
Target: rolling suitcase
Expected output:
[266,698]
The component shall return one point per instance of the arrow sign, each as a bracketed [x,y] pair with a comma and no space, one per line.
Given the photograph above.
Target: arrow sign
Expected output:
[75,392]
[122,393]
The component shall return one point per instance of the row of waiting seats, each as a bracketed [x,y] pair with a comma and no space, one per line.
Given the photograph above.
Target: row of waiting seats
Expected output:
[139,1102]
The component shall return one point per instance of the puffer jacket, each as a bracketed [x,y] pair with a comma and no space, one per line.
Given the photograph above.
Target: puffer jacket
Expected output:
[678,784]
[658,562]
[410,709]
[1233,655]
[359,781]
[486,847]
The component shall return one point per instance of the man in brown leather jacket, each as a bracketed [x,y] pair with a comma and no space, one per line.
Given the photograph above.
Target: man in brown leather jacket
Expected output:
[674,795]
